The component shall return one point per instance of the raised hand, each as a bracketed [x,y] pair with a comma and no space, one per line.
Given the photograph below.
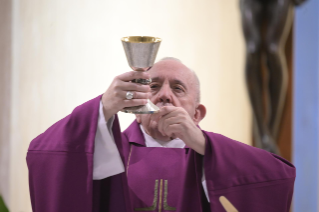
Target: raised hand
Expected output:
[114,99]
[175,122]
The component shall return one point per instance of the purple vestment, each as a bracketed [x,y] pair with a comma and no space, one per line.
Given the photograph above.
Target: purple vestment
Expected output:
[60,165]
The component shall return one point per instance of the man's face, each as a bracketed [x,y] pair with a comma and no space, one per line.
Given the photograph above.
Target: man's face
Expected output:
[173,84]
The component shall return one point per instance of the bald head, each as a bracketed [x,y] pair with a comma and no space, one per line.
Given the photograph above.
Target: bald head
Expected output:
[171,63]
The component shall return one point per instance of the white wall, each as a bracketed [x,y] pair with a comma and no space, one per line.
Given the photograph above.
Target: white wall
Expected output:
[66,52]
[5,93]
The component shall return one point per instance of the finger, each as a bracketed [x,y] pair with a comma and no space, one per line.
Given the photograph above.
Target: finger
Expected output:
[136,95]
[166,109]
[174,112]
[162,126]
[173,130]
[166,122]
[134,102]
[173,120]
[129,76]
[129,86]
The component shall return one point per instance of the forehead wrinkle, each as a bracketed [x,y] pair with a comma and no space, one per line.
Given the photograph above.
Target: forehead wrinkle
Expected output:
[155,79]
[176,81]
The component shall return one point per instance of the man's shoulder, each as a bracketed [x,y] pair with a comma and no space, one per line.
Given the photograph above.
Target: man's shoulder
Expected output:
[227,147]
[244,164]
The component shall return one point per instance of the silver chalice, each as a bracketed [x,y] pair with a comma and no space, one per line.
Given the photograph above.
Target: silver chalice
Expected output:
[141,52]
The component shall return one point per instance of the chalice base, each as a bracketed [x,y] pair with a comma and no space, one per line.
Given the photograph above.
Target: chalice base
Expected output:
[149,108]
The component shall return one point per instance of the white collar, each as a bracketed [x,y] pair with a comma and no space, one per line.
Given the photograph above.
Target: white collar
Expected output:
[152,142]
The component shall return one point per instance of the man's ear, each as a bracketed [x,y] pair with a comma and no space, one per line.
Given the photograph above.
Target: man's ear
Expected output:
[138,118]
[200,113]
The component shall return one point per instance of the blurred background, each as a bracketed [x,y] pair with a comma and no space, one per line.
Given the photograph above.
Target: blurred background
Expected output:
[58,54]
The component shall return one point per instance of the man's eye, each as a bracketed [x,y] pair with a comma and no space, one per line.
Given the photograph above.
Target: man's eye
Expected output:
[153,86]
[178,88]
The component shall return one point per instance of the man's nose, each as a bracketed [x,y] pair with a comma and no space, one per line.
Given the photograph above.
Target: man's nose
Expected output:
[165,95]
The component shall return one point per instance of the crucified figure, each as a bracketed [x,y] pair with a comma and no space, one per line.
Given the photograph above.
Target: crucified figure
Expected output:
[275,17]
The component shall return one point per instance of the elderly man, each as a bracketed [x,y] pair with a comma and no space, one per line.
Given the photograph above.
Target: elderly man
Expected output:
[84,163]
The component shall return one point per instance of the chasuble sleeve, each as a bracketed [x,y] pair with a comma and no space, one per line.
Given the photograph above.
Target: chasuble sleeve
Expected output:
[106,160]
[60,162]
[250,178]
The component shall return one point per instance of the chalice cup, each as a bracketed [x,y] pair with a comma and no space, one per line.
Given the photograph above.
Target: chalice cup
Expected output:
[141,52]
